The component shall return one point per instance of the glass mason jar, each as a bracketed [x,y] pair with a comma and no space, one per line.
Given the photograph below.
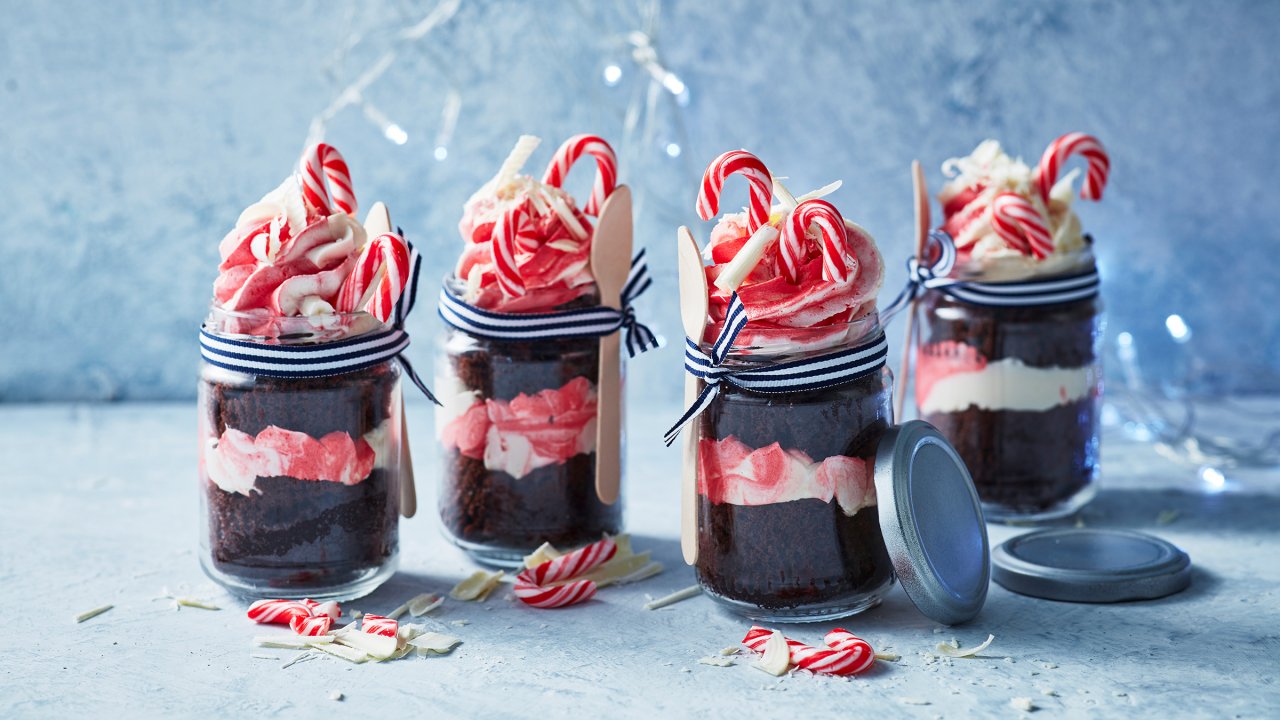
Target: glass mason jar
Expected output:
[788,529]
[299,477]
[517,429]
[1017,391]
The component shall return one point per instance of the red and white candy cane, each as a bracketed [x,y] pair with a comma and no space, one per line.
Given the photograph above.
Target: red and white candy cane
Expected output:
[832,234]
[378,625]
[606,168]
[326,181]
[841,639]
[380,273]
[826,661]
[576,563]
[534,585]
[1055,156]
[311,626]
[1021,225]
[760,182]
[506,235]
[531,593]
[279,612]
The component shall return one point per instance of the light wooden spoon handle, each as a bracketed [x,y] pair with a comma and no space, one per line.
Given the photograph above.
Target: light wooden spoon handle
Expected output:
[693,316]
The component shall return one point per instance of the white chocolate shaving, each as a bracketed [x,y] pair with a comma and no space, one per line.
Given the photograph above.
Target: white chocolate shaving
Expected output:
[291,642]
[615,570]
[89,614]
[477,586]
[344,652]
[776,659]
[564,245]
[823,191]
[516,159]
[730,651]
[424,604]
[335,696]
[434,642]
[747,258]
[951,650]
[717,661]
[544,553]
[1022,703]
[889,656]
[567,217]
[198,604]
[378,647]
[675,597]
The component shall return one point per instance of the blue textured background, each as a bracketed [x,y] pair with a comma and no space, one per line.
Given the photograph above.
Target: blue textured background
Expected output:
[131,135]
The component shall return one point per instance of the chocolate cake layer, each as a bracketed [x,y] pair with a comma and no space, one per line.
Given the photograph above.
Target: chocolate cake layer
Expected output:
[790,554]
[551,504]
[1026,462]
[800,552]
[556,503]
[298,533]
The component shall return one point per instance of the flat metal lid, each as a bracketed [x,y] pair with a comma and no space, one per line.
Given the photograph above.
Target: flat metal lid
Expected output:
[932,523]
[1091,565]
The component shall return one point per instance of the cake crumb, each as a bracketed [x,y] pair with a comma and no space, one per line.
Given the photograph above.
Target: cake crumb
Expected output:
[913,701]
[1048,665]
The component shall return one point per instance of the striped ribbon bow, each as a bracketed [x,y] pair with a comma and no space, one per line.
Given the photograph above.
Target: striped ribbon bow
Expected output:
[581,323]
[923,276]
[814,373]
[324,359]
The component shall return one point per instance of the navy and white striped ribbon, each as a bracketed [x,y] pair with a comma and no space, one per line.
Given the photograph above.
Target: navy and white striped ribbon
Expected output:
[581,323]
[323,359]
[814,373]
[933,276]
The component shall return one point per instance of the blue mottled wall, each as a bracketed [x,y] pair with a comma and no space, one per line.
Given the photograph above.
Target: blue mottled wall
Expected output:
[131,135]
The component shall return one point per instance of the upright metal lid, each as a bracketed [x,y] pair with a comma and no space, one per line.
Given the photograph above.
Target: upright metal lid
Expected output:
[932,523]
[1091,565]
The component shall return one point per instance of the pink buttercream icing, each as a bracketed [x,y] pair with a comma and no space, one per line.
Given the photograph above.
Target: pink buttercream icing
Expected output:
[529,431]
[732,472]
[237,459]
[811,314]
[285,258]
[552,259]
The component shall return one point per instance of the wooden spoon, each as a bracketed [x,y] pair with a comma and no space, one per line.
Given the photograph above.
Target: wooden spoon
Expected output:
[693,315]
[377,222]
[921,193]
[611,264]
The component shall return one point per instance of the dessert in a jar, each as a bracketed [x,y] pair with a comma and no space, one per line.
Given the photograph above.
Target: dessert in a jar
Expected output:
[300,427]
[1007,365]
[792,401]
[519,372]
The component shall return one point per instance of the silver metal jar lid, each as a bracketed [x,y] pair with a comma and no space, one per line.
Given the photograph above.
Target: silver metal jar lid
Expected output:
[1091,565]
[932,523]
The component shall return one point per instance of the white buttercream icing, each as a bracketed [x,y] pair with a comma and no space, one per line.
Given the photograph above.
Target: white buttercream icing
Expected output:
[1010,384]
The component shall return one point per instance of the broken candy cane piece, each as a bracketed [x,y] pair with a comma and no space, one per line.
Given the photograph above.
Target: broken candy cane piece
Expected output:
[311,626]
[378,625]
[536,586]
[825,661]
[279,612]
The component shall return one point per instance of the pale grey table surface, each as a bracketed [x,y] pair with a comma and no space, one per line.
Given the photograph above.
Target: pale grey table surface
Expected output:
[99,506]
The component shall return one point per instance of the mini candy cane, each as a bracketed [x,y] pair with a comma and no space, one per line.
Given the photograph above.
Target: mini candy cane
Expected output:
[531,593]
[311,626]
[826,661]
[841,639]
[326,181]
[384,260]
[280,612]
[834,237]
[1055,156]
[579,561]
[750,167]
[506,233]
[1020,224]
[606,168]
[533,586]
[379,625]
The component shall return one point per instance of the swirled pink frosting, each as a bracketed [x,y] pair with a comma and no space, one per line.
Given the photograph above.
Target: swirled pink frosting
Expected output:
[284,258]
[811,314]
[527,432]
[237,459]
[732,472]
[552,259]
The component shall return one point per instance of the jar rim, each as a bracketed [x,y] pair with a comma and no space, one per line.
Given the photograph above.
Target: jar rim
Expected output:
[266,328]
